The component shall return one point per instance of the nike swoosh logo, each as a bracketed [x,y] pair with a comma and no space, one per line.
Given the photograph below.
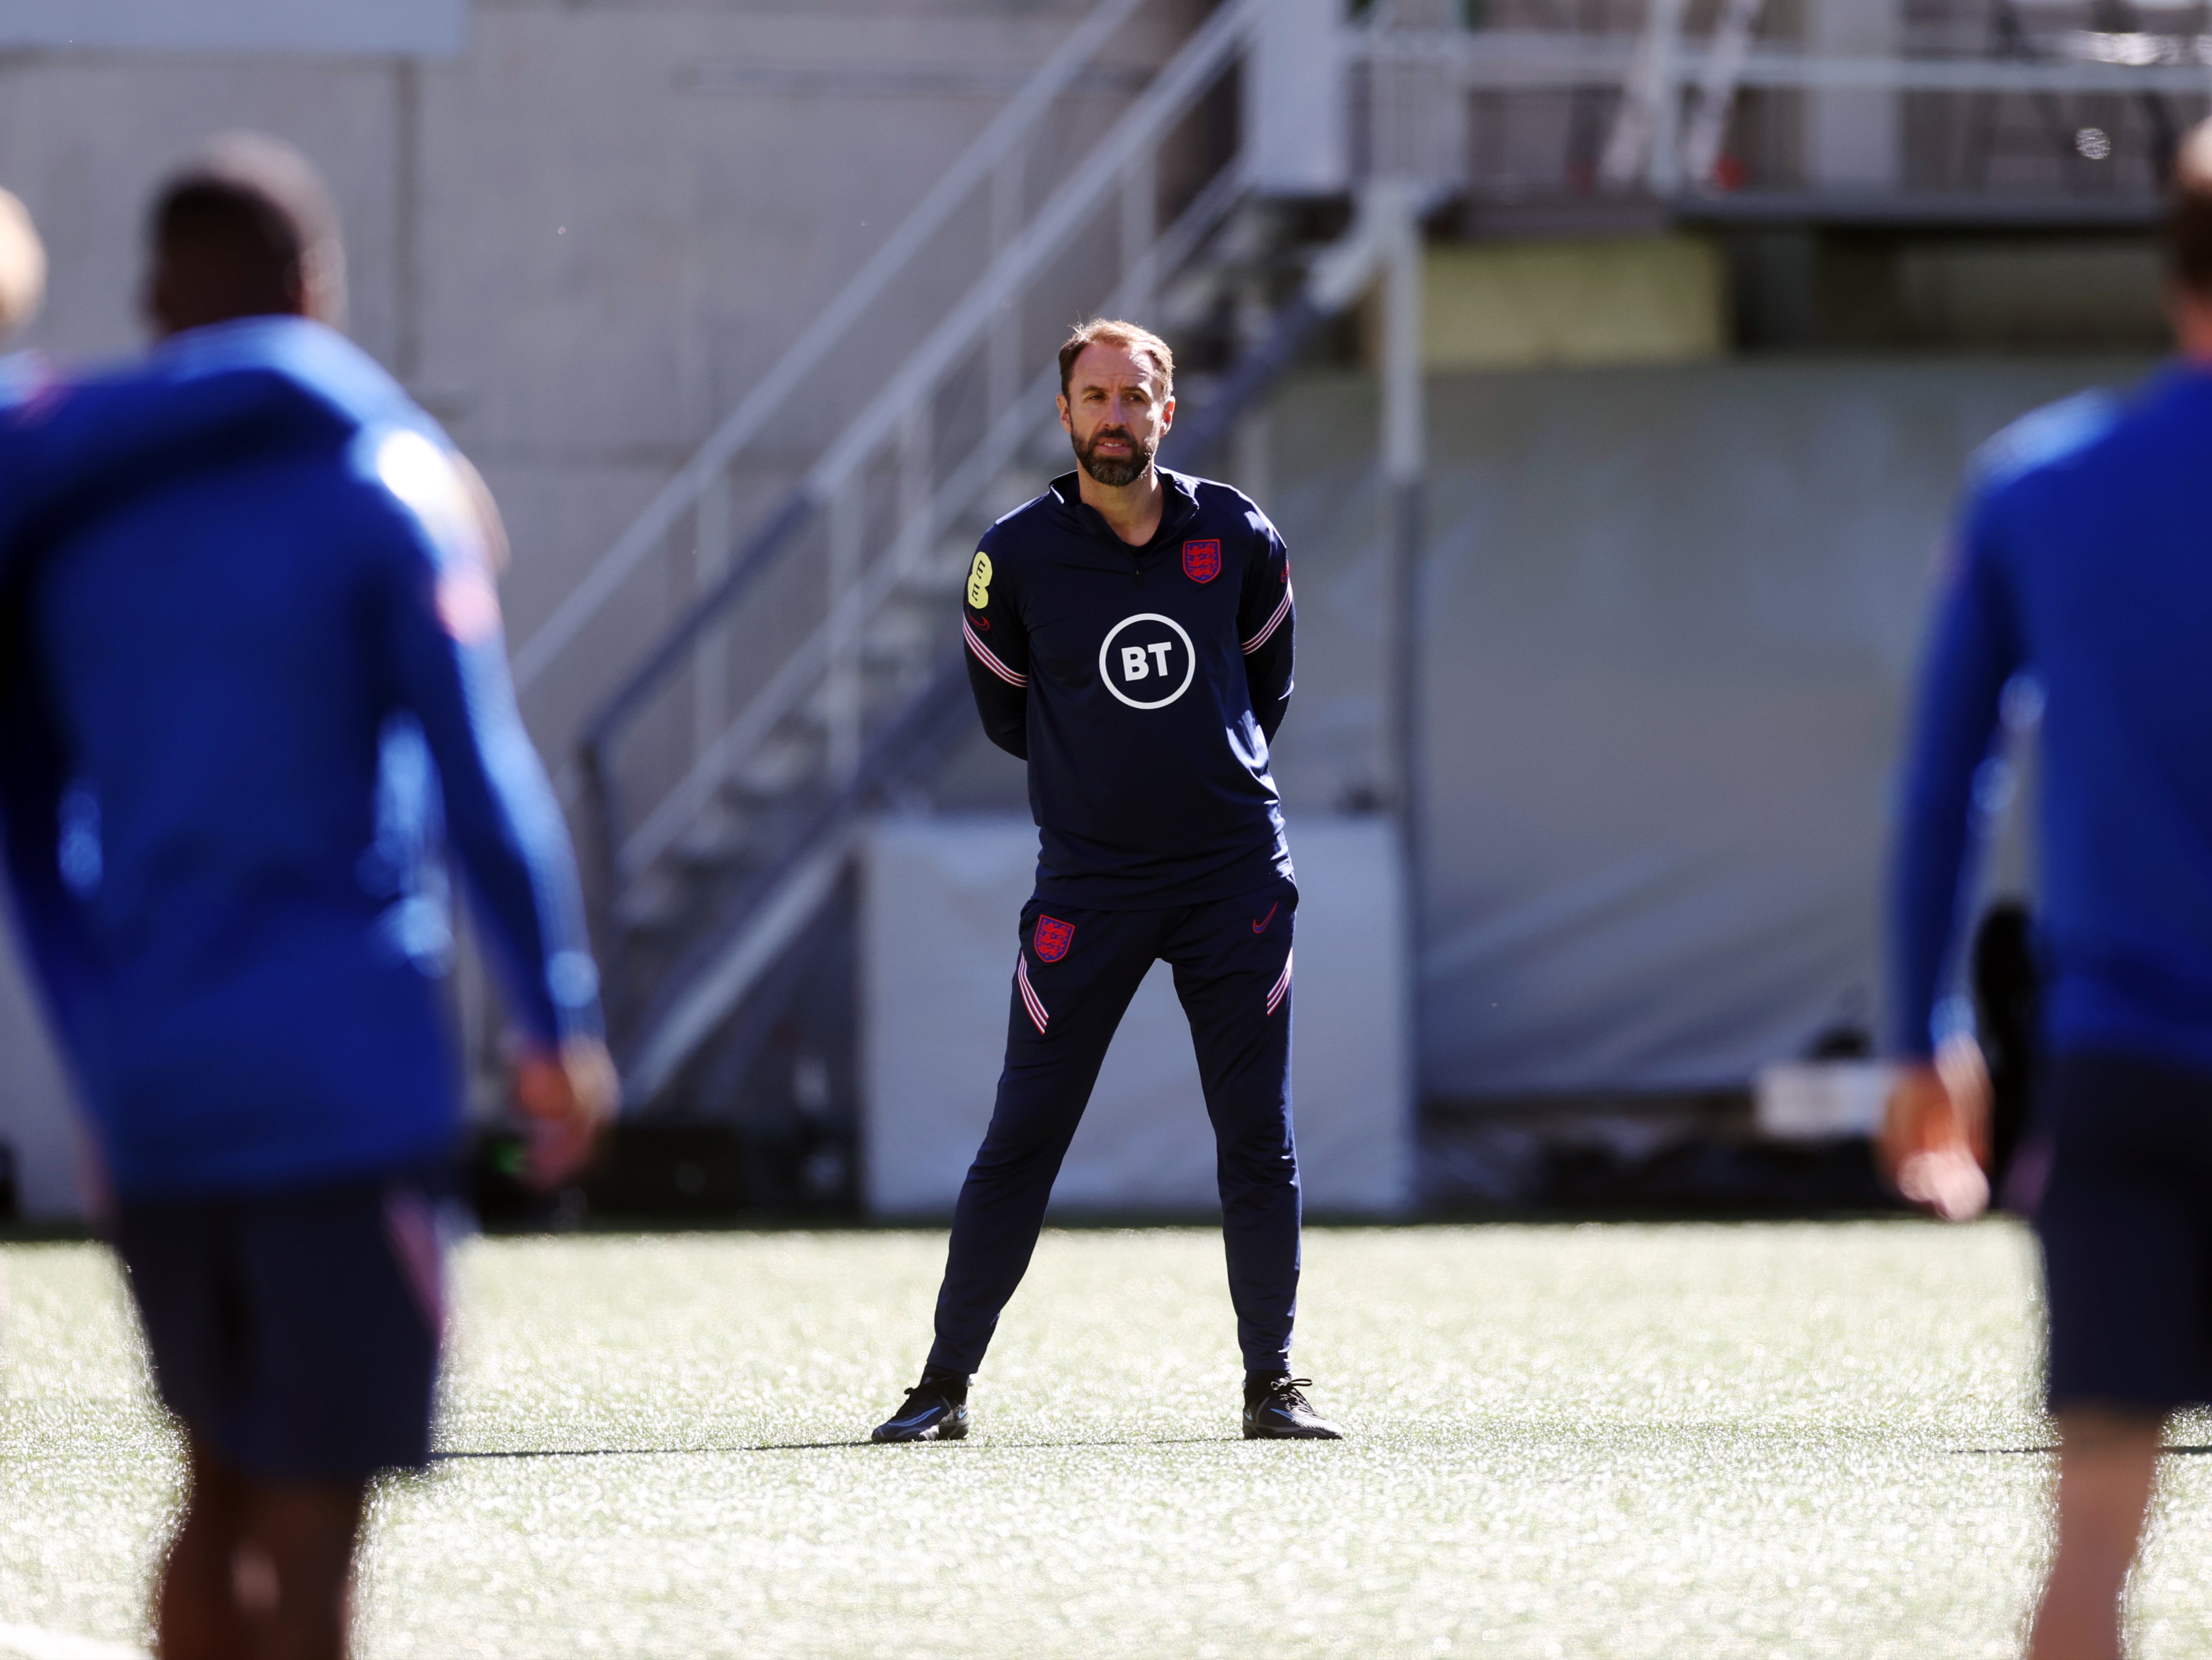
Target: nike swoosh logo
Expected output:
[1261,927]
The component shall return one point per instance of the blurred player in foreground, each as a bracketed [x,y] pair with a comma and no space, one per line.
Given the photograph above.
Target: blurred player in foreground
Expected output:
[1129,636]
[23,285]
[252,658]
[2084,560]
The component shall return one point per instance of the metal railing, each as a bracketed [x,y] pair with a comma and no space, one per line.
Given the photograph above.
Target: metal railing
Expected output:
[1440,98]
[992,165]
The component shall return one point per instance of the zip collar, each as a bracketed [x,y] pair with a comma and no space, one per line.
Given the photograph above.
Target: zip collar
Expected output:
[1179,507]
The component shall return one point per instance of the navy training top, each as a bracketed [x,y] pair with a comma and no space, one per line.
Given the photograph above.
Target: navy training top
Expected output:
[1142,685]
[2084,561]
[252,670]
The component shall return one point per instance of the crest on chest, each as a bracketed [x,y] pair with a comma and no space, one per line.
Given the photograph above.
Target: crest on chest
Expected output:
[1201,561]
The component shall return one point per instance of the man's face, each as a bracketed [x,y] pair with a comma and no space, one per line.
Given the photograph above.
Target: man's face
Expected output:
[1116,412]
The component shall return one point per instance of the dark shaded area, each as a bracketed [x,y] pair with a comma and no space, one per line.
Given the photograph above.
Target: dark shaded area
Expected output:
[1649,1156]
[1890,286]
[664,1173]
[2006,987]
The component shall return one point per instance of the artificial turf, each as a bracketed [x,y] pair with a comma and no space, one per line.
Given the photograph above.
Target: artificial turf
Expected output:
[1666,1441]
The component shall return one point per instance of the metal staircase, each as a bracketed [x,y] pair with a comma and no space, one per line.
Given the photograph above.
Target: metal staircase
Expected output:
[817,677]
[813,675]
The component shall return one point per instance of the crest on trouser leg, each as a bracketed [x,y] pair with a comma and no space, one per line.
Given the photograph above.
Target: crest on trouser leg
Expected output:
[1052,938]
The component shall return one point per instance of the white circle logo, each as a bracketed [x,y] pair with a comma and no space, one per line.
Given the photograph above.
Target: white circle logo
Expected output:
[1146,661]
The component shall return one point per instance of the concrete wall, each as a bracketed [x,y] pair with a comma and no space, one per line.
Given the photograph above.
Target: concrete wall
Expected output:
[582,241]
[579,242]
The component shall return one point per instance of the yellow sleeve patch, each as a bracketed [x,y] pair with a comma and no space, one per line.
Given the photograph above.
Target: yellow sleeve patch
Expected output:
[979,580]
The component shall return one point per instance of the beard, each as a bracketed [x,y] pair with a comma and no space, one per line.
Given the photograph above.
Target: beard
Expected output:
[1109,471]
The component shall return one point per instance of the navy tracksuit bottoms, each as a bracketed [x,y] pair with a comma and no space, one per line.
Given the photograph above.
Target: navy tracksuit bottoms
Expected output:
[1077,972]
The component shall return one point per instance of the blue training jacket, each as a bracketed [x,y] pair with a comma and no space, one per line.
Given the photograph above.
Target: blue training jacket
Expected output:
[251,675]
[2084,561]
[1143,686]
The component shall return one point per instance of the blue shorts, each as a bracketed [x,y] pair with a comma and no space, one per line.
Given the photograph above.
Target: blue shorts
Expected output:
[296,1334]
[2125,1223]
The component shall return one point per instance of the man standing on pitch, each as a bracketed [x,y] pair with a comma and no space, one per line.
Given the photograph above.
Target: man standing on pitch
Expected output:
[1128,635]
[249,662]
[2085,561]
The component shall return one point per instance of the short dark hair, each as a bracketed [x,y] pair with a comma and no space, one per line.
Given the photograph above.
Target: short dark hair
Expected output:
[2188,229]
[1106,330]
[258,206]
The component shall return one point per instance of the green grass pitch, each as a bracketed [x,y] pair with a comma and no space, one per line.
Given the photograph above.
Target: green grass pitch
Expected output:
[1671,1443]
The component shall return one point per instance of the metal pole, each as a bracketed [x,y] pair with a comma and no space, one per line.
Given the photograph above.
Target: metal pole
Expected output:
[1666,175]
[1404,464]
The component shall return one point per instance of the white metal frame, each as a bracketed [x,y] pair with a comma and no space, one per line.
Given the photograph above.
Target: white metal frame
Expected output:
[1656,66]
[991,161]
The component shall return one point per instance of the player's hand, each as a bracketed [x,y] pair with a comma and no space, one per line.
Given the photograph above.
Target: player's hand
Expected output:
[566,1099]
[1929,1143]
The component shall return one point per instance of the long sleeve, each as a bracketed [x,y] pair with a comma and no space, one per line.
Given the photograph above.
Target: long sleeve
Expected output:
[998,654]
[1973,649]
[1267,617]
[440,614]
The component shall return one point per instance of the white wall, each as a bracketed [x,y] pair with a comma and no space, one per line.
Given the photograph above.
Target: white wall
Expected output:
[1295,112]
[1854,140]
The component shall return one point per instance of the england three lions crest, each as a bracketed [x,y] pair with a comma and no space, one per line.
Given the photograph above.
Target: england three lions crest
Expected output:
[1201,561]
[1052,938]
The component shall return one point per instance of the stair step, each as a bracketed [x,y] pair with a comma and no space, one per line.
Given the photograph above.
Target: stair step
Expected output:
[779,764]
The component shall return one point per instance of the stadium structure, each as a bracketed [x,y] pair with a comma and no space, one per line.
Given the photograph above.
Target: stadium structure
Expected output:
[1609,365]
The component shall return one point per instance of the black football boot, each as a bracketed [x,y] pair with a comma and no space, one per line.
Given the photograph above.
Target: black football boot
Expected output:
[1274,1410]
[936,1410]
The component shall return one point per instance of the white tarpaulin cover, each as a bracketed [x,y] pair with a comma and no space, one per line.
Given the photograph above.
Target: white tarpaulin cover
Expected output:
[940,900]
[1670,619]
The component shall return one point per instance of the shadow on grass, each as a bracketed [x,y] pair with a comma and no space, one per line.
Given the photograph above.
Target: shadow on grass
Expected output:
[2003,1452]
[804,1446]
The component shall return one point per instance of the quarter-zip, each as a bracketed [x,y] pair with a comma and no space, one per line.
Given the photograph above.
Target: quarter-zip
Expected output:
[1177,511]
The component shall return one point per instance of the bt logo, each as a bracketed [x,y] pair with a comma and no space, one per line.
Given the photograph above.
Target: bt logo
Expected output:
[1146,660]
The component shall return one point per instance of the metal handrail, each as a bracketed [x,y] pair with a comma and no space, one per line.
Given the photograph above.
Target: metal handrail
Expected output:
[974,168]
[1540,60]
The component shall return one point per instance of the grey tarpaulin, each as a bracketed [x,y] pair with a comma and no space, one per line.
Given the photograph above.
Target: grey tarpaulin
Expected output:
[1672,615]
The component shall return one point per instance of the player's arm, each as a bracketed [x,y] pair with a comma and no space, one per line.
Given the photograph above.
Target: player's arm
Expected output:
[998,652]
[1929,1141]
[447,649]
[1267,617]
